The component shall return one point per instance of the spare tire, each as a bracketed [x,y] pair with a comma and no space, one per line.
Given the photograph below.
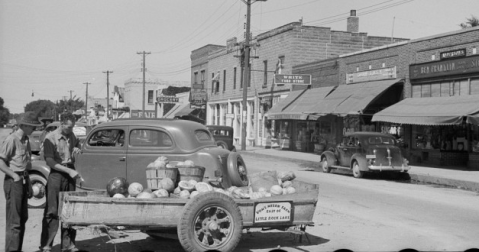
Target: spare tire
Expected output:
[237,172]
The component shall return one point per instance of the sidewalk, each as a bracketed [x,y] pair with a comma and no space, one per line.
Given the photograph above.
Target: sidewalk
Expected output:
[463,179]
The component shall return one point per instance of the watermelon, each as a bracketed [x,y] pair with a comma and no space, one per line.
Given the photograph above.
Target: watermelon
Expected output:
[161,193]
[167,184]
[117,185]
[185,185]
[203,187]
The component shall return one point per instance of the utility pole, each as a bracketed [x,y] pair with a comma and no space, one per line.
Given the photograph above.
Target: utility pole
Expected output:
[108,93]
[144,69]
[247,71]
[86,99]
[70,93]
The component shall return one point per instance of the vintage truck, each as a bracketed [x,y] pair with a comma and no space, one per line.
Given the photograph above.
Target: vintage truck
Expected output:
[211,221]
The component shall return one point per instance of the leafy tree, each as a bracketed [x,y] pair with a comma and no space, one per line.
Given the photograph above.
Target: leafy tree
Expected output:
[43,108]
[471,22]
[69,105]
[4,113]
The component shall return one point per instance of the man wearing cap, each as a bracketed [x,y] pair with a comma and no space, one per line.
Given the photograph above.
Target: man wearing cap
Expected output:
[59,147]
[15,162]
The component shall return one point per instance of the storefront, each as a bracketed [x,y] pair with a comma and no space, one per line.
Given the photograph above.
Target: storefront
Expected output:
[313,120]
[441,117]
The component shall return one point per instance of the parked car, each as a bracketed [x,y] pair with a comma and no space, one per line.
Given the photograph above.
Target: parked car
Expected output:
[80,130]
[124,148]
[223,136]
[364,152]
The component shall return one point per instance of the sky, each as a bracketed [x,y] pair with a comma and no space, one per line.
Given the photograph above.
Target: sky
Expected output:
[50,48]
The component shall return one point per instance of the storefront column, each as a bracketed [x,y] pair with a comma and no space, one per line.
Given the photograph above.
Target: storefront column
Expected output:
[229,120]
[248,125]
[209,113]
[221,114]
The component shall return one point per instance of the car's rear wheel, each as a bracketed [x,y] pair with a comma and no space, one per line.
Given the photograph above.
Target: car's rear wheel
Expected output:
[357,173]
[325,165]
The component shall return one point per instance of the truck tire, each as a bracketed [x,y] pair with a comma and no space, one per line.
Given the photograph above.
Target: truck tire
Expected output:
[222,145]
[237,172]
[210,221]
[39,198]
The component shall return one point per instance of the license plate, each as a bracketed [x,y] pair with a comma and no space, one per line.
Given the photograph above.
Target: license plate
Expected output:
[273,212]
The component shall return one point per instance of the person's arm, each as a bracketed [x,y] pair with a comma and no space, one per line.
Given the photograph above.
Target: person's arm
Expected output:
[49,150]
[8,148]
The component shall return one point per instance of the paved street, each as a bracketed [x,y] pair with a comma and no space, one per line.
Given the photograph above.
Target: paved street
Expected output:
[374,214]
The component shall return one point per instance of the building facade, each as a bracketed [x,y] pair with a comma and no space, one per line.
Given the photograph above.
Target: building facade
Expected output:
[423,91]
[275,51]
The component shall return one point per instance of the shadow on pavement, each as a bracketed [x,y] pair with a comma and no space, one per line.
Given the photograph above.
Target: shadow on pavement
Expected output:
[277,239]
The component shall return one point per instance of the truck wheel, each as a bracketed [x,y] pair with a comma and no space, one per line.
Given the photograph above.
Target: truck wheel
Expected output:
[237,170]
[325,164]
[210,221]
[357,173]
[39,198]
[222,145]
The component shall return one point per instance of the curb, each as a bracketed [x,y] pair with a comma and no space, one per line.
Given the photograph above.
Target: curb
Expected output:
[422,178]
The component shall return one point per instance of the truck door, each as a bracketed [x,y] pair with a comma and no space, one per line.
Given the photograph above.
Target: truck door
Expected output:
[103,157]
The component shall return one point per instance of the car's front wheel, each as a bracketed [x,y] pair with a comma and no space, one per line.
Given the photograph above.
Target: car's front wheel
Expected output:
[357,173]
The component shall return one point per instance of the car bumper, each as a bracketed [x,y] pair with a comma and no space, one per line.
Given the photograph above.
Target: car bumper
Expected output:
[401,168]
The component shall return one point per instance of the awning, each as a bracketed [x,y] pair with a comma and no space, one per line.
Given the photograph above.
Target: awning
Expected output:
[432,111]
[179,108]
[297,102]
[350,99]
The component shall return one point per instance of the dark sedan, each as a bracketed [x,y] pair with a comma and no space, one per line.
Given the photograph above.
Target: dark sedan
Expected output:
[364,152]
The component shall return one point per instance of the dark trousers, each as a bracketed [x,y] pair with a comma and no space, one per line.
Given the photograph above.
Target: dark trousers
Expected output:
[57,182]
[16,213]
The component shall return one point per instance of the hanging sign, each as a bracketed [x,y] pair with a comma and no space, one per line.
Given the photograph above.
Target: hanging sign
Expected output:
[167,99]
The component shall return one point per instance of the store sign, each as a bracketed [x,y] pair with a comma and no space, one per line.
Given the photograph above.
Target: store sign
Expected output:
[296,79]
[139,114]
[271,212]
[198,98]
[167,99]
[198,86]
[445,68]
[371,75]
[453,54]
[287,117]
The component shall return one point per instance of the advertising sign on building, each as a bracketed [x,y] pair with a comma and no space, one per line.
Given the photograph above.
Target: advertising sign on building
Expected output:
[445,68]
[198,98]
[372,75]
[296,79]
[139,113]
[167,99]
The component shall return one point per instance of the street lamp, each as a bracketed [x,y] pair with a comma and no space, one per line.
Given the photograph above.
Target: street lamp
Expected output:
[247,69]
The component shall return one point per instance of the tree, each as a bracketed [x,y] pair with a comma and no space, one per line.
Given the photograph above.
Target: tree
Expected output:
[4,113]
[70,105]
[471,22]
[43,108]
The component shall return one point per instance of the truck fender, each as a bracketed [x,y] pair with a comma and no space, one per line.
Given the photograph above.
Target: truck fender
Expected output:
[41,167]
[363,164]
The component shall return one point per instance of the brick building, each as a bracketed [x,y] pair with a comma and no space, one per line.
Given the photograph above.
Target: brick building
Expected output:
[276,50]
[424,91]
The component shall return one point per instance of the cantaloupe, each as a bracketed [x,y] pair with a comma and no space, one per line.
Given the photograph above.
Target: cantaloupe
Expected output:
[167,184]
[145,195]
[119,196]
[134,189]
[290,190]
[185,194]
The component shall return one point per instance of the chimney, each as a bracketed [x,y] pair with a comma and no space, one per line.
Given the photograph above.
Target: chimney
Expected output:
[353,22]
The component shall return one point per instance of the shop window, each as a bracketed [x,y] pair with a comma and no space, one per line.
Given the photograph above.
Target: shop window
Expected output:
[445,89]
[416,91]
[265,73]
[150,96]
[234,78]
[435,89]
[440,137]
[426,90]
[463,87]
[474,86]
[224,81]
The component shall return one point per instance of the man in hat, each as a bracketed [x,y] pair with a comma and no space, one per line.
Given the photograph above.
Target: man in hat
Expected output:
[15,161]
[59,147]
